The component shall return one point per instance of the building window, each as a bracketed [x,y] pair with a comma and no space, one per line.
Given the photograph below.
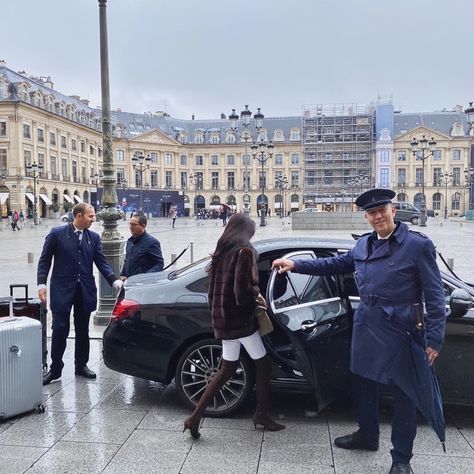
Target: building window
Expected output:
[120,155]
[456,176]
[295,179]
[230,160]
[436,176]
[168,179]
[3,129]
[384,156]
[215,180]
[401,177]
[456,155]
[74,171]
[184,179]
[437,155]
[295,134]
[418,176]
[214,138]
[73,144]
[64,169]
[278,159]
[52,138]
[41,159]
[436,201]
[401,155]
[3,160]
[26,130]
[168,159]
[27,158]
[154,178]
[199,138]
[246,180]
[40,133]
[230,137]
[384,173]
[154,157]
[183,160]
[215,160]
[295,159]
[99,152]
[456,202]
[91,150]
[83,147]
[199,160]
[63,142]
[230,180]
[120,175]
[246,160]
[262,179]
[53,167]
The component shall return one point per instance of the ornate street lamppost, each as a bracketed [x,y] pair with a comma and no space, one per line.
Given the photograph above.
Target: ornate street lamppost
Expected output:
[262,152]
[140,164]
[446,179]
[34,169]
[469,178]
[246,135]
[282,185]
[96,178]
[110,214]
[422,149]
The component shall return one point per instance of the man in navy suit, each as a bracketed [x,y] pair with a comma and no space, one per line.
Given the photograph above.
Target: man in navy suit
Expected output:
[143,251]
[74,249]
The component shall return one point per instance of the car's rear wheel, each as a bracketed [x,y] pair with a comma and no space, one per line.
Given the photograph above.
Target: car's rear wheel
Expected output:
[414,220]
[197,366]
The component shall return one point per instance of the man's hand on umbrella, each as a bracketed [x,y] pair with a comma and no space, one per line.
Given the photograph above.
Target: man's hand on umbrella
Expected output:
[432,354]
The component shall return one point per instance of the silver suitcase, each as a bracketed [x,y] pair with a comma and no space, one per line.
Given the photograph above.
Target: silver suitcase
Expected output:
[21,382]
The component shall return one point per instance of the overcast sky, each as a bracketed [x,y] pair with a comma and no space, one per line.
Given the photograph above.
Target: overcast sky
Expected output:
[205,57]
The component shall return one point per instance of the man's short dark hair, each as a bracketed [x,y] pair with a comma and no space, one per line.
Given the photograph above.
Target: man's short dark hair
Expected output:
[80,208]
[141,218]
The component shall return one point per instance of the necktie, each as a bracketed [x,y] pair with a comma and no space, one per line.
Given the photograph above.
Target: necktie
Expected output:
[79,235]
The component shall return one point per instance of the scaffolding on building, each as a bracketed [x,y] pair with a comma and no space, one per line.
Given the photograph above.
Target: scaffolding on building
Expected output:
[339,151]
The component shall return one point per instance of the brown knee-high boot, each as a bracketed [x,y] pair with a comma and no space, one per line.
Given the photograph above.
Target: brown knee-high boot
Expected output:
[225,372]
[262,384]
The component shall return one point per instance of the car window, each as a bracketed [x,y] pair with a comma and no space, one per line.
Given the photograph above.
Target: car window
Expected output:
[296,288]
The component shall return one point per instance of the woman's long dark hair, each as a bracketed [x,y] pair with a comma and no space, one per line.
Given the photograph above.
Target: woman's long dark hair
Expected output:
[237,234]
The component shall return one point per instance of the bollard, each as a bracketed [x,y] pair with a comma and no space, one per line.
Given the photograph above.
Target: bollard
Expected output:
[172,257]
[191,250]
[30,257]
[451,263]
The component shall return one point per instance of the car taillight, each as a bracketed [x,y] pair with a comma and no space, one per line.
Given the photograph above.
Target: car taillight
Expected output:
[124,309]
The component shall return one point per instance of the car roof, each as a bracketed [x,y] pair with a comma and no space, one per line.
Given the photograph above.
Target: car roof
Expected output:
[268,245]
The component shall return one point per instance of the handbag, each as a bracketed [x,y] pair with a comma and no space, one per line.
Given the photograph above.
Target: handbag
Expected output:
[264,323]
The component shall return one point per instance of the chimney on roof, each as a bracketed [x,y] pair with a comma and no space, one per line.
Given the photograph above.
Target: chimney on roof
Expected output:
[85,101]
[223,116]
[75,97]
[159,113]
[192,117]
[2,62]
[119,109]
[49,83]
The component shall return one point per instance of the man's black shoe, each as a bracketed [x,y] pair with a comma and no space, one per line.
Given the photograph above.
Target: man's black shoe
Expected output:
[85,372]
[49,376]
[356,441]
[400,468]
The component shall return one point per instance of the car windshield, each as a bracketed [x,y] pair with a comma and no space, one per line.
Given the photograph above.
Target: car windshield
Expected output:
[189,268]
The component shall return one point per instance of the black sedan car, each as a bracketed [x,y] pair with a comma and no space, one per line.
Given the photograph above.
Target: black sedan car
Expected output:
[161,330]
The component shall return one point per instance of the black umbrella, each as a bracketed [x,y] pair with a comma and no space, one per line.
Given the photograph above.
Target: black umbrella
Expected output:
[412,373]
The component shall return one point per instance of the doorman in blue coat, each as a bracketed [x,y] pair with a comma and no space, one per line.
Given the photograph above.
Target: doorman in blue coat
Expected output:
[395,269]
[74,249]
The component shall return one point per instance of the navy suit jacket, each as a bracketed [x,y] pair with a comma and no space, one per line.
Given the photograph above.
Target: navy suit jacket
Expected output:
[73,266]
[143,255]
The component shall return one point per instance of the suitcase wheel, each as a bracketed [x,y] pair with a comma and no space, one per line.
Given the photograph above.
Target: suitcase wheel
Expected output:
[40,409]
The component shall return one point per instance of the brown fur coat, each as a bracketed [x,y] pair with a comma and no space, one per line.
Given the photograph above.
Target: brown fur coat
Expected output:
[232,292]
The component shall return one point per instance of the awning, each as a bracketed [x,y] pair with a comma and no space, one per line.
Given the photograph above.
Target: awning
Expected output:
[295,205]
[30,197]
[215,206]
[68,199]
[187,205]
[4,197]
[77,198]
[45,199]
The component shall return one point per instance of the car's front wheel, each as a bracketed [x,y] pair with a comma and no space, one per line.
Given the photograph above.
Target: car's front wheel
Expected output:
[195,369]
[414,220]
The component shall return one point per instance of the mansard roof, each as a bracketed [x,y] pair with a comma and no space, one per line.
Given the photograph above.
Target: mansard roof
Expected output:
[439,121]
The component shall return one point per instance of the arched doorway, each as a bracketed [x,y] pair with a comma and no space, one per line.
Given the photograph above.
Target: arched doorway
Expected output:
[232,202]
[4,200]
[199,204]
[262,204]
[44,203]
[295,202]
[28,203]
[187,206]
[402,197]
[86,197]
[417,200]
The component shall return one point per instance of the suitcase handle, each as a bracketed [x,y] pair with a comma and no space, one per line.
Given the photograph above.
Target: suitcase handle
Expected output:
[18,285]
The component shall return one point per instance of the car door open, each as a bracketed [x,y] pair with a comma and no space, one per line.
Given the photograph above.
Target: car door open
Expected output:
[318,323]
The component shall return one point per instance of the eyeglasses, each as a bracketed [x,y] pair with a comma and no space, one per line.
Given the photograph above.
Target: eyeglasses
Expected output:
[132,224]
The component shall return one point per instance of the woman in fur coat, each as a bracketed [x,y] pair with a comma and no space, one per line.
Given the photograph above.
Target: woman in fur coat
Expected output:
[233,289]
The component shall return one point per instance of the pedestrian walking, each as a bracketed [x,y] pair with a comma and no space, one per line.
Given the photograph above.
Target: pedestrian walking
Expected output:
[74,248]
[172,215]
[233,289]
[143,251]
[396,271]
[15,219]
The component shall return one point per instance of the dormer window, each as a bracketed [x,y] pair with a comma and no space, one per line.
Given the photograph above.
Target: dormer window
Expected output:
[278,136]
[215,138]
[183,137]
[198,137]
[295,134]
[230,137]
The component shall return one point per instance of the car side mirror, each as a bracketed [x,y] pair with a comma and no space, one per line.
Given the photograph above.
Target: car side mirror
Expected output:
[459,303]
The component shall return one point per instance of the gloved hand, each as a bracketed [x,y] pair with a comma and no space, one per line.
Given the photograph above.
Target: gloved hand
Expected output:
[117,284]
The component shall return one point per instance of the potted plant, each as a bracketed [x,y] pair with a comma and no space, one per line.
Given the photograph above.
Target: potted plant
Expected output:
[54,210]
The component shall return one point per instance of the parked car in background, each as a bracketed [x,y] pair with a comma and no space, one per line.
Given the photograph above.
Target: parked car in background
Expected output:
[406,212]
[311,209]
[161,330]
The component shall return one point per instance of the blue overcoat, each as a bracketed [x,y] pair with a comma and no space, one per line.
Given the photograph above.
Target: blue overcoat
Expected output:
[73,265]
[143,255]
[391,279]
